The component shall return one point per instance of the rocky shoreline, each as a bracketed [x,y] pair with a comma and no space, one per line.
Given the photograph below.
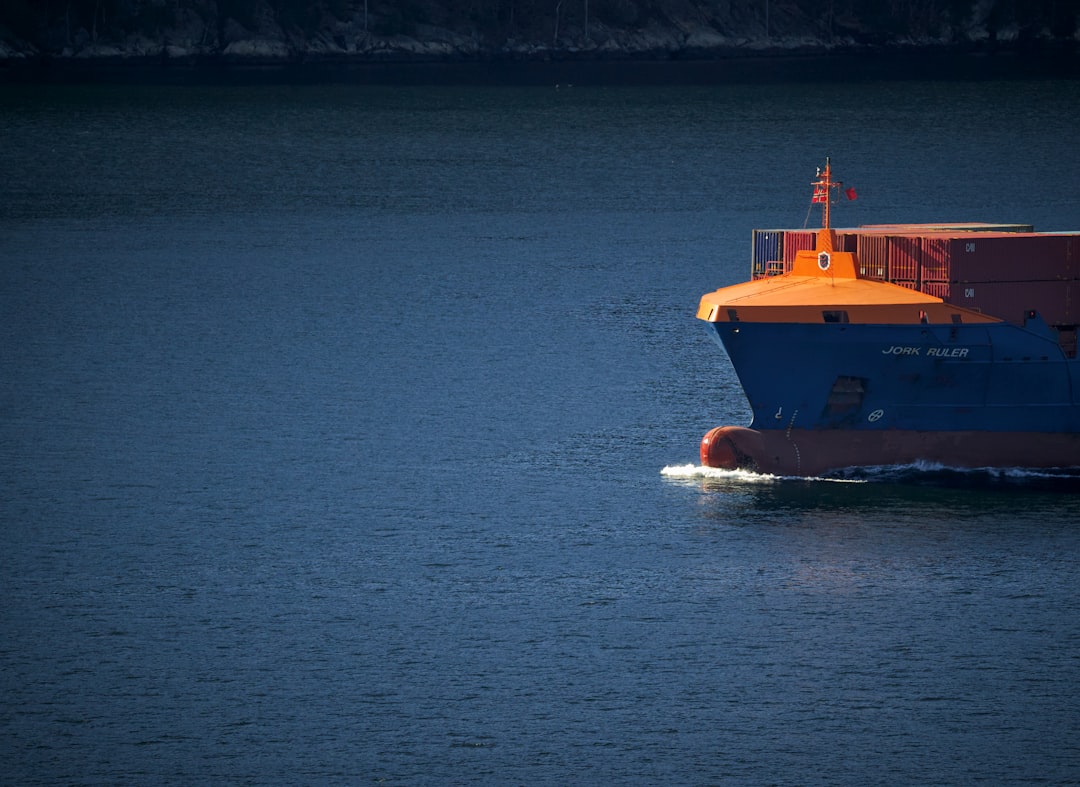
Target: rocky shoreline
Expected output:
[683,34]
[660,45]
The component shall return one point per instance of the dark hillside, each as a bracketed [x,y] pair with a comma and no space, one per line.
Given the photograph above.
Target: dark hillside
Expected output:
[278,31]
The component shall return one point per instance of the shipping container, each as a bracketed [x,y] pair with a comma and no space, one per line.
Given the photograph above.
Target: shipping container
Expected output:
[932,252]
[969,226]
[847,240]
[766,246]
[939,289]
[905,254]
[796,241]
[936,261]
[873,254]
[1001,257]
[1011,300]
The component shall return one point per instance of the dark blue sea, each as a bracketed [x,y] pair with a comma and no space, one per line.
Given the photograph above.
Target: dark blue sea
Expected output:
[349,432]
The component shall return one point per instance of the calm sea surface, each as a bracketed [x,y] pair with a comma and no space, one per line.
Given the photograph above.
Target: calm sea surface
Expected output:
[347,436]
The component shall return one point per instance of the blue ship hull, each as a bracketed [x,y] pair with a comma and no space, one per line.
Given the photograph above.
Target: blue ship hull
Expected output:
[827,396]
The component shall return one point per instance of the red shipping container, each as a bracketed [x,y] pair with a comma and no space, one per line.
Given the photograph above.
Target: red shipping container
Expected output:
[1001,257]
[796,241]
[939,289]
[905,254]
[1012,300]
[873,254]
[889,257]
[936,261]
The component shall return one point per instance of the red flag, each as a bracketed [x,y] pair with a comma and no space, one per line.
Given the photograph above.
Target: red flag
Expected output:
[850,192]
[819,194]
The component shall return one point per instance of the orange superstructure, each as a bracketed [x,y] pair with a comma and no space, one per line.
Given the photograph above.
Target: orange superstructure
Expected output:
[826,286]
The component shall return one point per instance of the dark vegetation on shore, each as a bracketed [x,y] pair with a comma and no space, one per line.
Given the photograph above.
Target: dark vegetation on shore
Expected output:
[290,31]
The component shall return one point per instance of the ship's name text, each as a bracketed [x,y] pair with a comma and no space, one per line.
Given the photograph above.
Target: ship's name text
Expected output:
[930,352]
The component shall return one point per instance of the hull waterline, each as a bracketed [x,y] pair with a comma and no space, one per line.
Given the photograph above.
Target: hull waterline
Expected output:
[804,452]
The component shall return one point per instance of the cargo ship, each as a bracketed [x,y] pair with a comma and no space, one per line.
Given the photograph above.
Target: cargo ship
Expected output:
[949,344]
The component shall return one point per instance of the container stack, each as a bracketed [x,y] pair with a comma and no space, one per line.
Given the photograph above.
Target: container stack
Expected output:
[773,251]
[1006,274]
[1006,270]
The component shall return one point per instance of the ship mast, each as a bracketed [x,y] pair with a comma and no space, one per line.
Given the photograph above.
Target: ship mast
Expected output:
[823,187]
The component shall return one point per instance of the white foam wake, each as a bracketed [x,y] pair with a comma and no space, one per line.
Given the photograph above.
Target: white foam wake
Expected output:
[917,471]
[700,471]
[690,472]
